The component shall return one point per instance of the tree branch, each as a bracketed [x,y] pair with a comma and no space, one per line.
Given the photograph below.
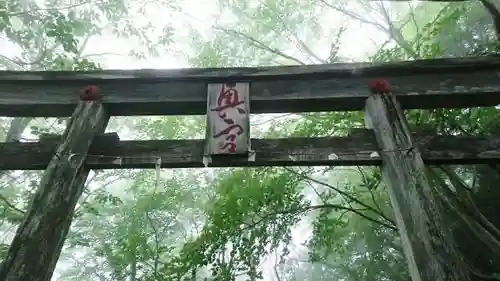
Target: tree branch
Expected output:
[301,45]
[450,200]
[256,43]
[370,190]
[313,208]
[464,196]
[391,30]
[347,195]
[10,205]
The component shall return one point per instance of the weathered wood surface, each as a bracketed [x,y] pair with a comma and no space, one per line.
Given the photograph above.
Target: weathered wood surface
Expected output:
[427,241]
[356,149]
[228,119]
[418,84]
[39,239]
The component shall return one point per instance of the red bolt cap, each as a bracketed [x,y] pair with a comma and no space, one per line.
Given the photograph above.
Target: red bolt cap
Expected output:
[90,93]
[380,86]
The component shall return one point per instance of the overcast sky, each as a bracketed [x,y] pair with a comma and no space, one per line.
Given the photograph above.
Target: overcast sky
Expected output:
[356,43]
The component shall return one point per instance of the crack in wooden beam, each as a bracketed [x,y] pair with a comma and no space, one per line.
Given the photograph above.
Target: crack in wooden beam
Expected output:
[438,83]
[354,150]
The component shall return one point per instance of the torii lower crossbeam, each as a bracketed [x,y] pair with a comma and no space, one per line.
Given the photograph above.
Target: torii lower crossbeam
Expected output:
[357,150]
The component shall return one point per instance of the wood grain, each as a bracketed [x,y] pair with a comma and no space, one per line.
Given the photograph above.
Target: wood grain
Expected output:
[357,149]
[426,238]
[439,83]
[39,239]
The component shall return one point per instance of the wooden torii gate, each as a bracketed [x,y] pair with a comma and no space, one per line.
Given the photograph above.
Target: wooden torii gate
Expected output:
[444,83]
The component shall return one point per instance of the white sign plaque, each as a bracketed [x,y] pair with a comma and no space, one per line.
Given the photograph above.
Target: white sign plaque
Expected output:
[228,119]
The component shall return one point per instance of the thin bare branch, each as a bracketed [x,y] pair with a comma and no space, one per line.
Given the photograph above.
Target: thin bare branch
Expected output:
[10,205]
[464,194]
[300,44]
[297,211]
[258,44]
[451,201]
[347,195]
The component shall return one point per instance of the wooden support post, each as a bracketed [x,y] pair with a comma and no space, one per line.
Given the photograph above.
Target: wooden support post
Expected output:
[428,244]
[37,245]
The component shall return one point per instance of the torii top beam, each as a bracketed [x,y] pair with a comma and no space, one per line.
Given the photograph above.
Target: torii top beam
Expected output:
[437,83]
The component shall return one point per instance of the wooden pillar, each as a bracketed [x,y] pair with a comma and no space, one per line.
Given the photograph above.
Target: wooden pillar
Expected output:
[37,245]
[427,240]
